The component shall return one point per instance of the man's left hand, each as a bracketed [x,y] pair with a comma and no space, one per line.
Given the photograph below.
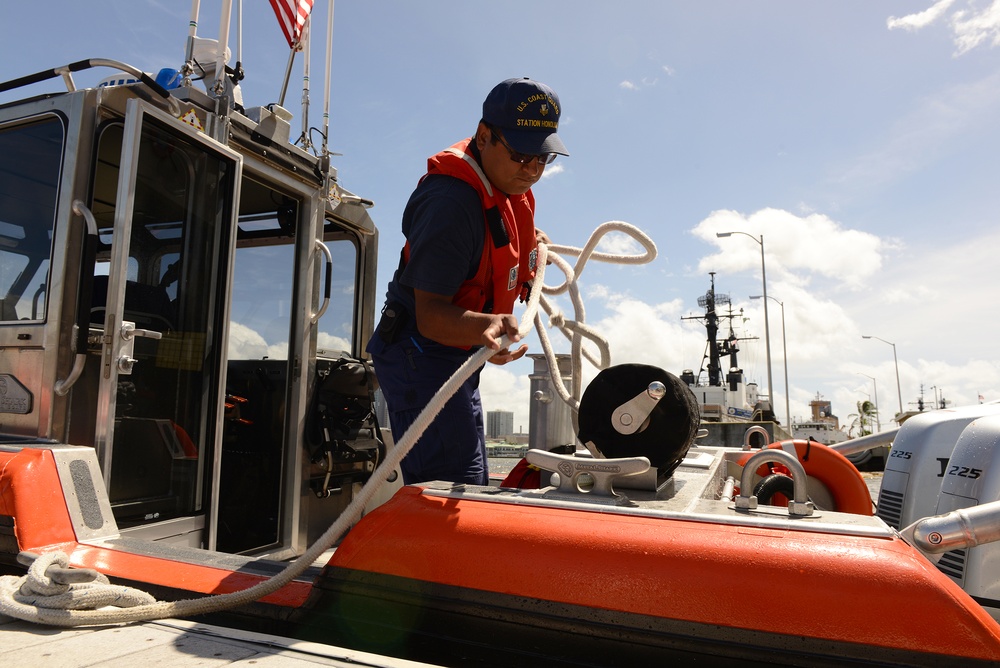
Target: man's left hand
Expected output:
[505,355]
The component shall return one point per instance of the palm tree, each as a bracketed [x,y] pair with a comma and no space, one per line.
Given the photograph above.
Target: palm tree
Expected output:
[862,420]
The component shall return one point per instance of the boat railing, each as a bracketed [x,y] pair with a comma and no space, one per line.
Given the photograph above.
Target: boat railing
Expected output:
[957,530]
[66,72]
[856,445]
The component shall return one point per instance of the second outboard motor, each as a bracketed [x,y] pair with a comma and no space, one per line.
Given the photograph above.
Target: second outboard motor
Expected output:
[919,460]
[971,478]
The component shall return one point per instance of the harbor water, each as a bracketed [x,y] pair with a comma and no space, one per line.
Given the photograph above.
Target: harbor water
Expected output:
[502,465]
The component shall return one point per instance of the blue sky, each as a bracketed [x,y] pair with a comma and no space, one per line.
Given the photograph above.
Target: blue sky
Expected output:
[859,138]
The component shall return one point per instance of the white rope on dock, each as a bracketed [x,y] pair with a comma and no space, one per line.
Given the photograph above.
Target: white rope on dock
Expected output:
[35,598]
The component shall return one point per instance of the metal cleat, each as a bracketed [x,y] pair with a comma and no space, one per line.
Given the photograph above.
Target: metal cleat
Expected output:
[588,476]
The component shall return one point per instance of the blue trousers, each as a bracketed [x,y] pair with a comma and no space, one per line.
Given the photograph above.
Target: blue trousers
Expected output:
[453,447]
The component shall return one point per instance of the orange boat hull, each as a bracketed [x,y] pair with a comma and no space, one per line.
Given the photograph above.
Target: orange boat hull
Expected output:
[463,578]
[783,591]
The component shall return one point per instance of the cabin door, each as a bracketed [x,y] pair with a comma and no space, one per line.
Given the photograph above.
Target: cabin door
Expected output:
[165,319]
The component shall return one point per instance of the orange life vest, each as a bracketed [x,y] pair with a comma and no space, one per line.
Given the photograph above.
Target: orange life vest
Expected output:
[509,253]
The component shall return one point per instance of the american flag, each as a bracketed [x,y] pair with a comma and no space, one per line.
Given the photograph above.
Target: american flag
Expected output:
[292,15]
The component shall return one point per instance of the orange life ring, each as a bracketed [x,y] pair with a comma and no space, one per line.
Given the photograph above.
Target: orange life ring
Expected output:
[839,478]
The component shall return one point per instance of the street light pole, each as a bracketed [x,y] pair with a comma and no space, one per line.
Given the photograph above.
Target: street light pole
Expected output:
[784,353]
[895,360]
[878,419]
[767,331]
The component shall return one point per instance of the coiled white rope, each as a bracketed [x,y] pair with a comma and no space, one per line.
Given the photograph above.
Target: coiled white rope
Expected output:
[37,588]
[28,598]
[576,330]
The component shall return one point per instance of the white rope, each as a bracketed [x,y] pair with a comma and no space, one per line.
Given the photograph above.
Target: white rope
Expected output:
[576,330]
[37,590]
[31,598]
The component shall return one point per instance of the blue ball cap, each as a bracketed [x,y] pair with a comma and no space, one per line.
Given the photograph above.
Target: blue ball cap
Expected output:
[527,113]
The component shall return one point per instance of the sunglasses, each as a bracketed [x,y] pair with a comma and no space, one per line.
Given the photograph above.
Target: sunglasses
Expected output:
[523,158]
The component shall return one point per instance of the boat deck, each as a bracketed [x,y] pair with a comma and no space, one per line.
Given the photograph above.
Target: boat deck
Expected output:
[170,642]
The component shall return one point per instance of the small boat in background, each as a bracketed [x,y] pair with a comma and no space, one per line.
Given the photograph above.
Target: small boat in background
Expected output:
[824,427]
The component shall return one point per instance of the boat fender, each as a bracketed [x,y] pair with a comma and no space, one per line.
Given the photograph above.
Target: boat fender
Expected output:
[523,476]
[529,476]
[774,484]
[836,473]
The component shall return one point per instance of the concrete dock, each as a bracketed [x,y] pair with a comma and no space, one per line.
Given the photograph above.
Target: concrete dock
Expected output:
[170,643]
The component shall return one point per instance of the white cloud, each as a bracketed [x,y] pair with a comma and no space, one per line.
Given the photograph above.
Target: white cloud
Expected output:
[618,243]
[553,169]
[938,296]
[278,351]
[971,27]
[245,343]
[644,82]
[796,248]
[649,333]
[914,22]
[919,301]
[331,342]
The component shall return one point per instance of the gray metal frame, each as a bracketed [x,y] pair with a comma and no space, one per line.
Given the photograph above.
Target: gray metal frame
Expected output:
[41,353]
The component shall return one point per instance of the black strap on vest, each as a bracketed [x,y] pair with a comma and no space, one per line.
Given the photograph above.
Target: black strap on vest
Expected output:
[497,230]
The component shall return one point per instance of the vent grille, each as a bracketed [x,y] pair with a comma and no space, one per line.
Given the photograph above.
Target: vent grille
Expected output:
[890,507]
[952,564]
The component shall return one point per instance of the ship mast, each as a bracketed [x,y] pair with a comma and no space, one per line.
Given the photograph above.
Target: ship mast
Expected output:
[714,350]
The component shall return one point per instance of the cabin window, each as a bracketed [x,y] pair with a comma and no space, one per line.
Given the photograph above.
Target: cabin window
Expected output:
[263,284]
[264,273]
[30,159]
[336,327]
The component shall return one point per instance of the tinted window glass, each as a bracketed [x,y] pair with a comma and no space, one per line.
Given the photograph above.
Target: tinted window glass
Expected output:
[30,157]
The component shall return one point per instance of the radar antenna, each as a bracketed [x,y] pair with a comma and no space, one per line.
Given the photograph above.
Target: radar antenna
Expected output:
[714,350]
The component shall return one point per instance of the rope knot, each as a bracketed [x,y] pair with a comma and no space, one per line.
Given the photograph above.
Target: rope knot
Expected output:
[51,590]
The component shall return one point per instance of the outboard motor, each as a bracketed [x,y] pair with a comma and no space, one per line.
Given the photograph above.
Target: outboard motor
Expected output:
[972,478]
[918,462]
[637,410]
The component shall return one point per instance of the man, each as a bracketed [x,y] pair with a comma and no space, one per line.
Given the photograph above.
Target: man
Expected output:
[470,252]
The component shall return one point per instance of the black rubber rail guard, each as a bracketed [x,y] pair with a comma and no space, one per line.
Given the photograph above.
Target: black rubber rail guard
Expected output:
[80,65]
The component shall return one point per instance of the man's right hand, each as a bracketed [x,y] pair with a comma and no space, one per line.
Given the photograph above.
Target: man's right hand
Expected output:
[501,325]
[440,320]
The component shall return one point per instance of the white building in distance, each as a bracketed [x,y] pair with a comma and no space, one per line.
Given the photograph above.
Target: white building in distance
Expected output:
[499,424]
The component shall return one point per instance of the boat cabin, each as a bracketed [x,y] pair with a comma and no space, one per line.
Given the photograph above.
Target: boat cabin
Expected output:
[178,284]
